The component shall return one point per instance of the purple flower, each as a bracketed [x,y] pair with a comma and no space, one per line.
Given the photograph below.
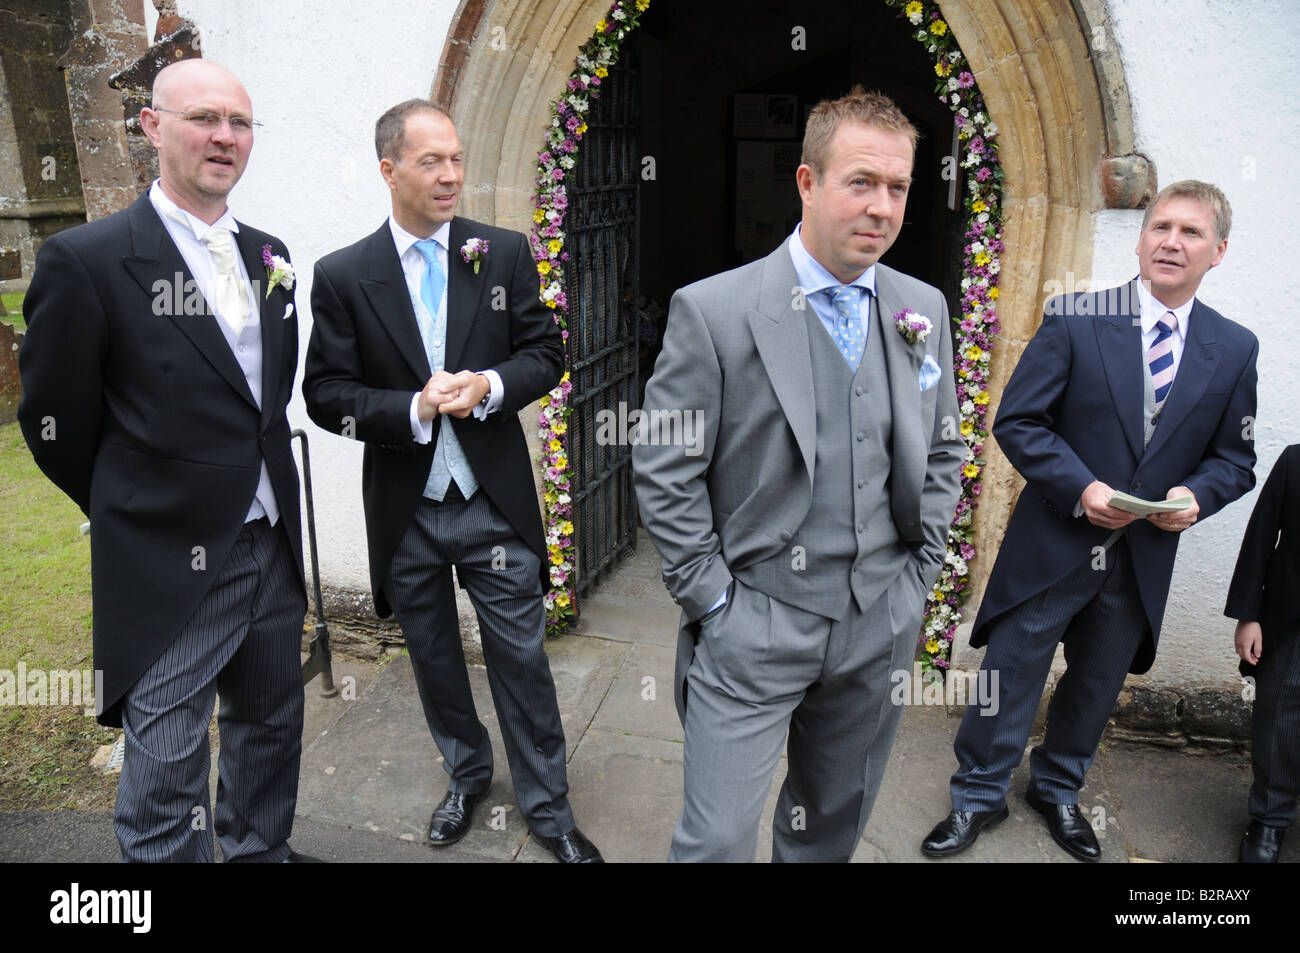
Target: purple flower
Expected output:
[977,145]
[984,174]
[558,175]
[266,256]
[965,80]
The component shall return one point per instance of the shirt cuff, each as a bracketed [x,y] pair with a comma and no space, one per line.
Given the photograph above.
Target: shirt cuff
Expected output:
[421,430]
[1078,508]
[722,601]
[496,394]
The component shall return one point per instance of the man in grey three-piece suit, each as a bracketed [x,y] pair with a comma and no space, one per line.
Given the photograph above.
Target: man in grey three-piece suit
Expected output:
[802,533]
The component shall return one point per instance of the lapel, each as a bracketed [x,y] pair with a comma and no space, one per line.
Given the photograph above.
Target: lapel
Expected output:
[384,285]
[1119,338]
[271,319]
[464,291]
[781,336]
[903,366]
[153,256]
[1201,354]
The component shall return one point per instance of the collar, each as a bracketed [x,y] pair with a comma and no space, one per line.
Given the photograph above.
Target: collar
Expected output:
[404,239]
[1152,311]
[814,277]
[166,207]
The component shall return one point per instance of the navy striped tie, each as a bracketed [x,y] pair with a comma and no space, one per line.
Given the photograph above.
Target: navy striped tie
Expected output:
[1160,357]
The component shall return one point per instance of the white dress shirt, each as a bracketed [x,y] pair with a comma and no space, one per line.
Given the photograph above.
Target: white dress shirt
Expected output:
[413,268]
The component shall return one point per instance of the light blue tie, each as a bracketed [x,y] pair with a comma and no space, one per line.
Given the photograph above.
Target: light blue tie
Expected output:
[849,336]
[449,462]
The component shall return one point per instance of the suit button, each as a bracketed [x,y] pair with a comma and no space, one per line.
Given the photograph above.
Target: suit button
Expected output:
[859,390]
[862,527]
[786,535]
[861,482]
[861,436]
[1137,487]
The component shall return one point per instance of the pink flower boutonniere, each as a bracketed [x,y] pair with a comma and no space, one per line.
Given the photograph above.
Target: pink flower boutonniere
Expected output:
[278,271]
[912,326]
[473,251]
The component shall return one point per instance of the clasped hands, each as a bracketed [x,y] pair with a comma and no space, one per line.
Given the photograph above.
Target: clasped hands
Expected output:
[455,394]
[1097,508]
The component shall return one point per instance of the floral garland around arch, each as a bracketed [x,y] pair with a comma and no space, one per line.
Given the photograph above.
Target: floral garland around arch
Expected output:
[975,333]
[551,203]
[973,337]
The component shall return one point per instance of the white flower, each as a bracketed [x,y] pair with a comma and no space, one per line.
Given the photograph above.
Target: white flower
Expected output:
[915,19]
[991,129]
[952,83]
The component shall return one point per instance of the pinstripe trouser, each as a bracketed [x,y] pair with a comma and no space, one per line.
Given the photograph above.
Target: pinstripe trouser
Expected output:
[241,643]
[502,577]
[1275,734]
[1099,614]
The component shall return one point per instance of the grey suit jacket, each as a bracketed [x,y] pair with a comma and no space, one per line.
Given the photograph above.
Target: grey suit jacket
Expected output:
[736,350]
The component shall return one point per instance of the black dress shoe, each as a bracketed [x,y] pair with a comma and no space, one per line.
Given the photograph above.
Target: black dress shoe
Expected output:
[451,818]
[572,847]
[959,829]
[1260,844]
[1070,829]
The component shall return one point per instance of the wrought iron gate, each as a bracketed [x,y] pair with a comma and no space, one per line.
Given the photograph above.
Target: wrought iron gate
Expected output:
[602,290]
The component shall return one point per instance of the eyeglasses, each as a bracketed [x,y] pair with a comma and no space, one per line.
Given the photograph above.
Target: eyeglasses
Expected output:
[211,122]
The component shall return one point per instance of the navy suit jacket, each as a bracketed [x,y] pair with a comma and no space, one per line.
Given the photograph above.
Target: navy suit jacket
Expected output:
[1072,413]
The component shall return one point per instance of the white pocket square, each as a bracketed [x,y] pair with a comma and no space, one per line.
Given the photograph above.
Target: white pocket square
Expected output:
[288,312]
[929,374]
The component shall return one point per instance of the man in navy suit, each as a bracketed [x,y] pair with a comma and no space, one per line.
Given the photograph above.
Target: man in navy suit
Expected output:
[1142,389]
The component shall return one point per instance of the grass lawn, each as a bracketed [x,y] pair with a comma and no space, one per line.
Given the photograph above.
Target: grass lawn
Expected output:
[14,305]
[45,623]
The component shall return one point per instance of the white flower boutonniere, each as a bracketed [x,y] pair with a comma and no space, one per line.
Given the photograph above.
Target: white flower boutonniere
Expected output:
[278,271]
[473,251]
[912,326]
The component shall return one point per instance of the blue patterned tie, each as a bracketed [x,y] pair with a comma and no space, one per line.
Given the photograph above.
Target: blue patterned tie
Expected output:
[1160,356]
[849,336]
[449,461]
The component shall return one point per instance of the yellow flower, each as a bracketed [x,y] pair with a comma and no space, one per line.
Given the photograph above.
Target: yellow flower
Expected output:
[993,293]
[550,496]
[932,647]
[544,400]
[565,377]
[973,353]
[602,72]
[981,398]
[967,428]
[600,25]
[561,428]
[539,215]
[964,134]
[978,206]
[938,27]
[970,470]
[942,68]
[555,446]
[982,258]
[641,5]
[556,558]
[912,9]
[543,268]
[562,600]
[554,246]
[566,528]
[551,304]
[563,462]
[581,130]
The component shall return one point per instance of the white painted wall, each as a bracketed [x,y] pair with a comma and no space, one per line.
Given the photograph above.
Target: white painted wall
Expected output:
[319,75]
[1216,97]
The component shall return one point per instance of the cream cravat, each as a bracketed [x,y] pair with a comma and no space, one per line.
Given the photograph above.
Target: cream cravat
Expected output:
[231,296]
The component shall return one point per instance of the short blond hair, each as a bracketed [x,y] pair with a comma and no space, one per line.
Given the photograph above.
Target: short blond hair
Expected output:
[870,109]
[1203,192]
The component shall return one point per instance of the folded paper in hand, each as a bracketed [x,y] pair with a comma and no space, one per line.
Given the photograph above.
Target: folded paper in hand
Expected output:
[1132,504]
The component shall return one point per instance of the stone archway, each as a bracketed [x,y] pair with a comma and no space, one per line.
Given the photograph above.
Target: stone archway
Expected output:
[1049,71]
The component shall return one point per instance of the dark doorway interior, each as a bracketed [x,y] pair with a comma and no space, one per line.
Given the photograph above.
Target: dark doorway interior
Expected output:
[724,101]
